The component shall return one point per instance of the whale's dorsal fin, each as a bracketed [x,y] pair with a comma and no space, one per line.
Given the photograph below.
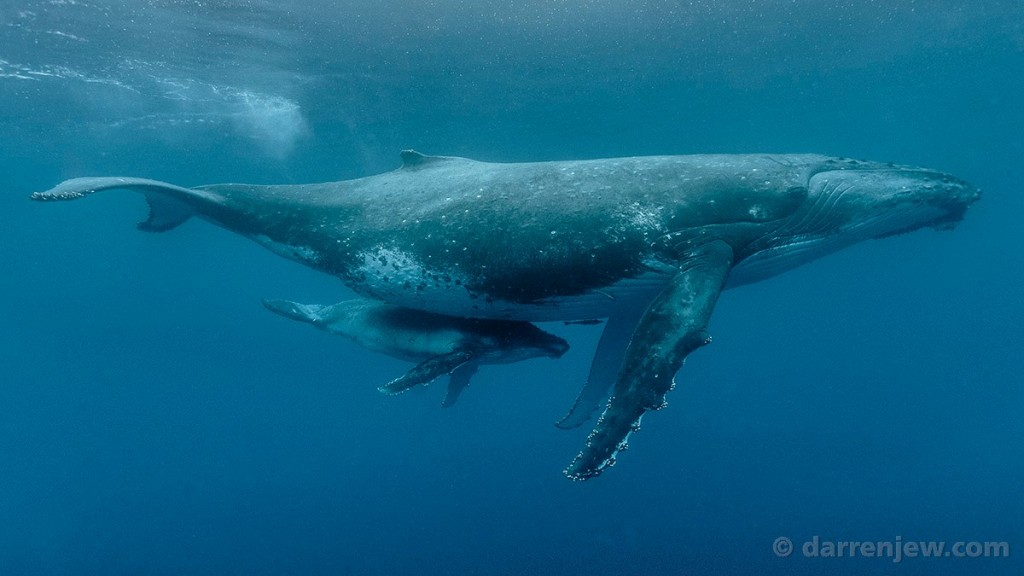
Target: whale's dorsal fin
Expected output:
[414,159]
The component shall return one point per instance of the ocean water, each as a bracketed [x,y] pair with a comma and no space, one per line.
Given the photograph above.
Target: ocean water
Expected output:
[155,419]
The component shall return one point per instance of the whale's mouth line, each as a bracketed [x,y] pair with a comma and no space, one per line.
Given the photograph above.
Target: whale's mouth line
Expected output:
[947,218]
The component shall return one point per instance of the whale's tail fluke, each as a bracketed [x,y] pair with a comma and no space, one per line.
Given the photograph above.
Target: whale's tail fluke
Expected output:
[169,205]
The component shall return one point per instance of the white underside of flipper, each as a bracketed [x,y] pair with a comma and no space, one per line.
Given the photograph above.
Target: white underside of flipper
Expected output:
[611,350]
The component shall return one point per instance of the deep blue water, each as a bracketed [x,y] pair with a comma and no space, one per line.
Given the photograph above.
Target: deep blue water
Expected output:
[155,419]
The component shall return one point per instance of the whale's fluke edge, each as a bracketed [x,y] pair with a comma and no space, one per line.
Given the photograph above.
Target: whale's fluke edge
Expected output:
[169,205]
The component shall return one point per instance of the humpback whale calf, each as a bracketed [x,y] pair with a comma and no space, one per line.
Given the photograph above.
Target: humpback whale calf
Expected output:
[646,242]
[441,344]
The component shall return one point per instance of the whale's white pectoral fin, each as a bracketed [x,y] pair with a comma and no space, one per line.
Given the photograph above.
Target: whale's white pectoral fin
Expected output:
[673,326]
[426,371]
[458,382]
[611,349]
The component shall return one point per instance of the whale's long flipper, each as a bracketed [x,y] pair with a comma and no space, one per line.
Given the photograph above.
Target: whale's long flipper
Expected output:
[458,382]
[611,349]
[427,371]
[673,326]
[169,205]
[310,313]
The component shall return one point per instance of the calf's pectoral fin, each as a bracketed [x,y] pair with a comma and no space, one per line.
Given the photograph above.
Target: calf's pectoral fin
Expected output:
[426,371]
[309,313]
[458,382]
[672,326]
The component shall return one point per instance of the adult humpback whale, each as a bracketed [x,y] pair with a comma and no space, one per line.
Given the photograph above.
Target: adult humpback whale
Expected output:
[441,344]
[647,242]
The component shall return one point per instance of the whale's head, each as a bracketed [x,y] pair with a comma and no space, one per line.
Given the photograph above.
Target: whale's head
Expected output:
[873,200]
[542,343]
[849,201]
[517,341]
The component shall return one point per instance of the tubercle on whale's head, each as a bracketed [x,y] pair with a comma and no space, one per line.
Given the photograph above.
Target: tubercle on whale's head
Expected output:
[876,200]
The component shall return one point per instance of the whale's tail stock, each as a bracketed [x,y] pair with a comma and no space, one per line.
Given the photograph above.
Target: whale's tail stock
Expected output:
[169,205]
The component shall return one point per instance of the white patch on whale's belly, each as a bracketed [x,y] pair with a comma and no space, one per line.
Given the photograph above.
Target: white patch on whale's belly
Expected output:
[399,278]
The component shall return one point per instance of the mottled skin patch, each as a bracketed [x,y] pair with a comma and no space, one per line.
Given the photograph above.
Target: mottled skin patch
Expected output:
[647,242]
